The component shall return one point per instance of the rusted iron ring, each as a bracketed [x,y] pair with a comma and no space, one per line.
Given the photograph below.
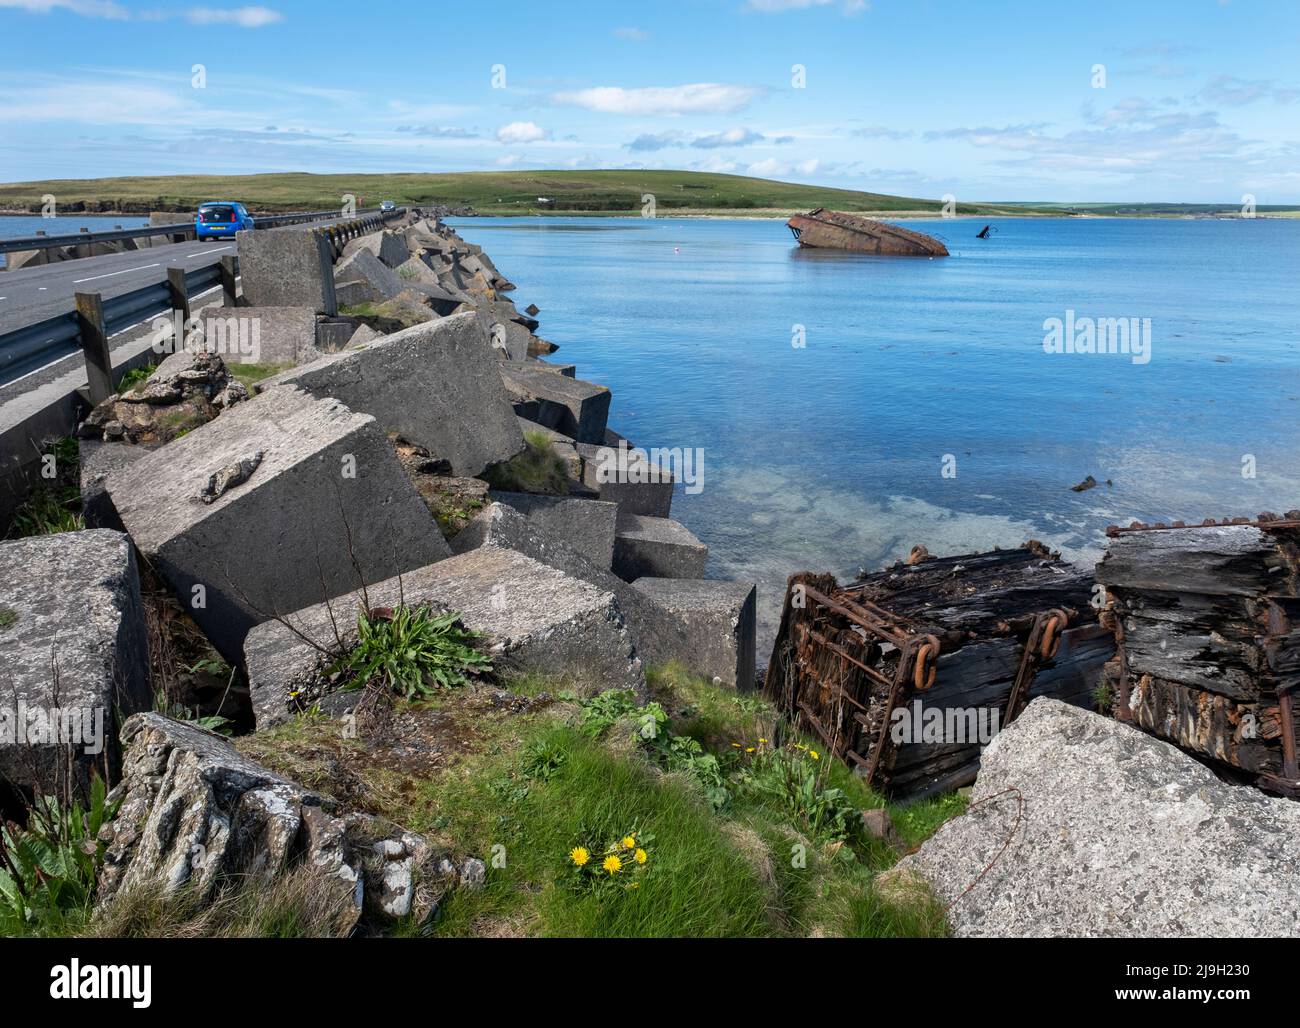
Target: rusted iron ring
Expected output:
[926,659]
[1056,622]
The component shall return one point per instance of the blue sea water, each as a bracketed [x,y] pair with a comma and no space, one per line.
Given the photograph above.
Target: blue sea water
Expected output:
[19,226]
[831,456]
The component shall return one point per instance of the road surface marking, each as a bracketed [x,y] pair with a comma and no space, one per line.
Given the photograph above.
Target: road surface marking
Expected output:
[78,281]
[202,252]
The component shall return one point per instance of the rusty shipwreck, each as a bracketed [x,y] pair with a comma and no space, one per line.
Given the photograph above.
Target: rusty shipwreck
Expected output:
[836,230]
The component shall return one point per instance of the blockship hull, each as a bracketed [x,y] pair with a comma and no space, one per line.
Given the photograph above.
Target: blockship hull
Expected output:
[836,230]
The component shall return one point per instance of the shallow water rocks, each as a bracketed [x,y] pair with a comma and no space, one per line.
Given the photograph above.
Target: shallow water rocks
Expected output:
[195,811]
[647,547]
[72,654]
[1113,833]
[327,508]
[436,385]
[534,618]
[710,628]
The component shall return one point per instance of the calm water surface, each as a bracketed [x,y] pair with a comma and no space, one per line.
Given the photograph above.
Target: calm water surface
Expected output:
[830,456]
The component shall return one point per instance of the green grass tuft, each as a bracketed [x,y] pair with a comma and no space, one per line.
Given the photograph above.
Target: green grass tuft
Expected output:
[536,470]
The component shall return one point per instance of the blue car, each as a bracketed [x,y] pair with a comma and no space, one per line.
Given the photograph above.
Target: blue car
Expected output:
[221,219]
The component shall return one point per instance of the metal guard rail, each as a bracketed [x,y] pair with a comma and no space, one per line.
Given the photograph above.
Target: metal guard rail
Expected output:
[119,234]
[26,349]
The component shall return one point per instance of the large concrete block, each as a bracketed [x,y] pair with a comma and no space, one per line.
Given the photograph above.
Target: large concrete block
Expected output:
[435,384]
[710,628]
[387,246]
[287,267]
[535,619]
[364,267]
[656,548]
[626,476]
[261,335]
[280,503]
[576,408]
[586,525]
[97,461]
[73,655]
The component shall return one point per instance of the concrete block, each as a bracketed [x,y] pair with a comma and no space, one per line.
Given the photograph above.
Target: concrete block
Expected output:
[287,267]
[625,475]
[97,461]
[567,370]
[586,525]
[535,619]
[656,548]
[73,655]
[562,446]
[364,267]
[305,499]
[387,246]
[435,384]
[576,408]
[711,628]
[261,335]
[333,336]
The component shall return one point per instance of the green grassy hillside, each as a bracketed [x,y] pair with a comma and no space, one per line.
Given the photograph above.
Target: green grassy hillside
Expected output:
[488,192]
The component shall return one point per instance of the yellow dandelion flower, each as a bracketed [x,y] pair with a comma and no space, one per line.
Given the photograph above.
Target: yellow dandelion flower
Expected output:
[629,841]
[762,741]
[814,754]
[749,749]
[641,856]
[612,864]
[579,855]
[735,745]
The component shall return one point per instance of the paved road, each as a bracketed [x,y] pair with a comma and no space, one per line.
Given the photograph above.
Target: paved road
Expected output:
[29,295]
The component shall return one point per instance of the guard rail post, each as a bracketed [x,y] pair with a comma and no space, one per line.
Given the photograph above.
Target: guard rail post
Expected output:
[180,300]
[94,345]
[228,273]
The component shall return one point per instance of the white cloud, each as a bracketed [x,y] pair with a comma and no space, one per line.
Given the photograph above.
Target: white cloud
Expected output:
[731,137]
[86,8]
[244,17]
[521,132]
[694,98]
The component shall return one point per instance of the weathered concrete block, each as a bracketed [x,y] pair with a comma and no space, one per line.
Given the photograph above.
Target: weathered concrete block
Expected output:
[586,525]
[72,655]
[261,335]
[281,502]
[567,370]
[435,384]
[1113,833]
[333,336]
[287,267]
[535,619]
[97,461]
[625,475]
[387,246]
[647,547]
[364,267]
[576,408]
[710,628]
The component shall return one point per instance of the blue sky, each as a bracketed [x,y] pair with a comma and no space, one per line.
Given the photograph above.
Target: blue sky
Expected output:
[993,100]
